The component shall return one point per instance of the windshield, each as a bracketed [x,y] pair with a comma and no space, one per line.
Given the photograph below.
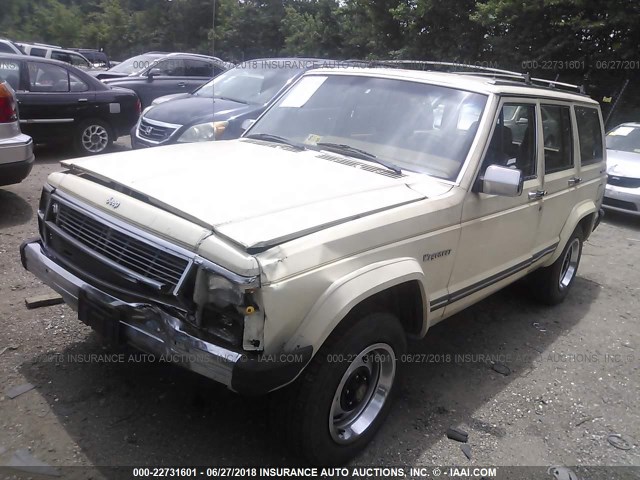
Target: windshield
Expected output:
[135,64]
[251,82]
[418,127]
[626,139]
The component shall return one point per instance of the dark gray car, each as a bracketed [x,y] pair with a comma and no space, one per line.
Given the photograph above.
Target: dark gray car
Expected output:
[221,108]
[172,73]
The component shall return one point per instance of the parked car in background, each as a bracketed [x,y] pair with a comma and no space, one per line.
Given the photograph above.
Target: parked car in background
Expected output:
[130,66]
[623,169]
[9,46]
[172,73]
[97,58]
[61,103]
[16,149]
[56,53]
[221,108]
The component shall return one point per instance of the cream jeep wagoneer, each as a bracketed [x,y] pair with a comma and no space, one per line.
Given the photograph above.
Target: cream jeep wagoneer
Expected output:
[365,206]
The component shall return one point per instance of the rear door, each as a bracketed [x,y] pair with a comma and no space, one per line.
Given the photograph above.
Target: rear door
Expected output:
[592,168]
[560,180]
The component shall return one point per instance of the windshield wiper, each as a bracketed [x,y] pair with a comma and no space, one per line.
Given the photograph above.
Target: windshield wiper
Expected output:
[358,153]
[267,137]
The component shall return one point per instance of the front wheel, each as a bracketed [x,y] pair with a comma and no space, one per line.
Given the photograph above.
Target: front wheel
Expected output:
[344,395]
[551,284]
[93,137]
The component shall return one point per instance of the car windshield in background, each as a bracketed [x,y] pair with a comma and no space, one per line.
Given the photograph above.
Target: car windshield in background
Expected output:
[624,138]
[415,126]
[135,64]
[251,83]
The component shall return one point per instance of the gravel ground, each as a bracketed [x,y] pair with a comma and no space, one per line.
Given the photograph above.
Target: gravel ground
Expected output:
[566,377]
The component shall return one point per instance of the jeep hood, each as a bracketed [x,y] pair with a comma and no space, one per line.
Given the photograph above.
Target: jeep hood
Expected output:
[256,194]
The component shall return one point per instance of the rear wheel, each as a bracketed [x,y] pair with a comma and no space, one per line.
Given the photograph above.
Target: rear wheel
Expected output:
[93,137]
[332,412]
[551,284]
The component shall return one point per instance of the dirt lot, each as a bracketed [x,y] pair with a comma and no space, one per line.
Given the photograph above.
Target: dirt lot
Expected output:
[571,380]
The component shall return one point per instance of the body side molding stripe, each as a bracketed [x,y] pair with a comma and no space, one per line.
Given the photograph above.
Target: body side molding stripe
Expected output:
[442,302]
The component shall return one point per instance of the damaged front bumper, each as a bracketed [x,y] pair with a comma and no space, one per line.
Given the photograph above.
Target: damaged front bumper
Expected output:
[150,328]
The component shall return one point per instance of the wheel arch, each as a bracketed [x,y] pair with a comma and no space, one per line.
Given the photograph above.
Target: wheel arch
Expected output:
[582,215]
[384,283]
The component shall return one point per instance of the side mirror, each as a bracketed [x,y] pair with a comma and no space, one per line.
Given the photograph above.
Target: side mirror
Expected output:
[247,123]
[154,72]
[503,181]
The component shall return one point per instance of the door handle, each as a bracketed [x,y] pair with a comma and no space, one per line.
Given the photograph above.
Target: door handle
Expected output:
[181,84]
[573,181]
[83,100]
[537,195]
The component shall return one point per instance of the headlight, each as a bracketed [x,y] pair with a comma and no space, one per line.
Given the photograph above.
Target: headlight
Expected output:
[222,292]
[229,309]
[203,132]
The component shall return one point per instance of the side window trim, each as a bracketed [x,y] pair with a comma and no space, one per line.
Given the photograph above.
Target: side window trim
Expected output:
[578,137]
[507,100]
[569,106]
[28,84]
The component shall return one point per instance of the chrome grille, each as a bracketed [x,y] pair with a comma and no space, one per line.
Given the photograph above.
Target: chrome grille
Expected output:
[138,256]
[626,182]
[154,132]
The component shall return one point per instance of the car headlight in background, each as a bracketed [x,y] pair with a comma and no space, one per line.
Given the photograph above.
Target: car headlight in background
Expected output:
[229,310]
[203,132]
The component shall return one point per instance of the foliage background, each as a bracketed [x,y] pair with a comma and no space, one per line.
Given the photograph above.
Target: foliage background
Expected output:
[499,33]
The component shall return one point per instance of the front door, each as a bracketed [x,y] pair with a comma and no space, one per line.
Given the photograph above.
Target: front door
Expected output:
[498,233]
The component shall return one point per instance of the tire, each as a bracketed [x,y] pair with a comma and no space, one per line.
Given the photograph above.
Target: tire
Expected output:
[551,284]
[93,137]
[357,363]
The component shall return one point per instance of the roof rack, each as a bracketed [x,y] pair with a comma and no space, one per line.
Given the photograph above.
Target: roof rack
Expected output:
[478,71]
[38,44]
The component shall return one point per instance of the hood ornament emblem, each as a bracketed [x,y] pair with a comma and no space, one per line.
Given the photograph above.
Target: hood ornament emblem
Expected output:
[112,202]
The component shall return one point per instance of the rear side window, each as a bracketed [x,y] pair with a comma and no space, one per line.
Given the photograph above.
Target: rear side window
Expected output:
[589,135]
[61,56]
[38,52]
[77,85]
[47,78]
[10,72]
[558,144]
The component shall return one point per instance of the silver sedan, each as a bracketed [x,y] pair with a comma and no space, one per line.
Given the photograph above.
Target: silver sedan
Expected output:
[623,169]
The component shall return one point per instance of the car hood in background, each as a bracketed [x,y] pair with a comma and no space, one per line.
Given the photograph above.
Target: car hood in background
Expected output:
[106,74]
[194,109]
[166,98]
[623,164]
[256,194]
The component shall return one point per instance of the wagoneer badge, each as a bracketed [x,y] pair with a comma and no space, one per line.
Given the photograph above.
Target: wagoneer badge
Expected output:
[112,202]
